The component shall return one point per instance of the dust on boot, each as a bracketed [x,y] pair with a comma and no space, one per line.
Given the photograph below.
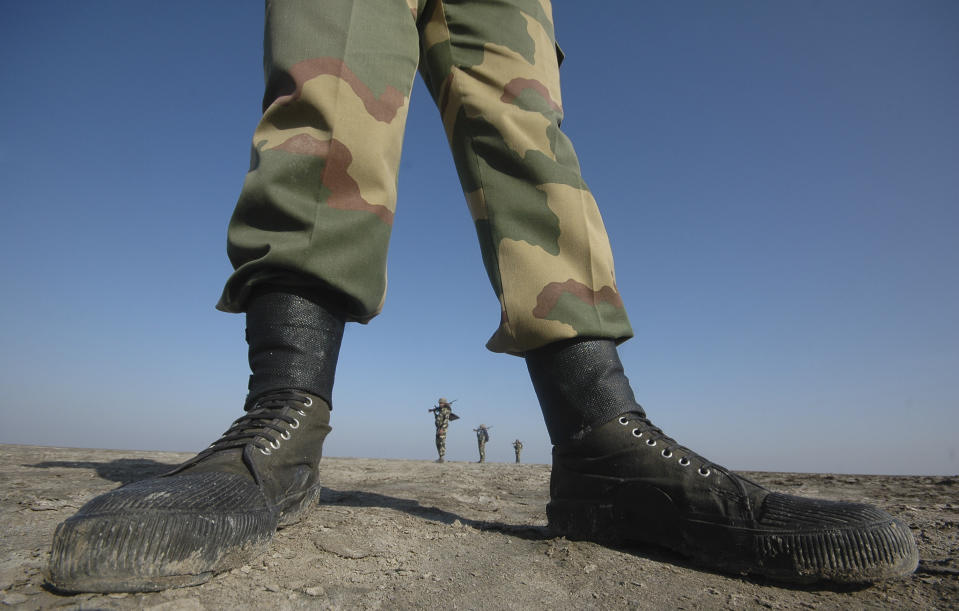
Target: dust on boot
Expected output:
[219,509]
[617,478]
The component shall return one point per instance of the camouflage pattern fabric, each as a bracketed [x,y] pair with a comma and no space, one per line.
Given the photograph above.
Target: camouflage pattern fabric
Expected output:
[317,206]
[518,448]
[441,416]
[441,442]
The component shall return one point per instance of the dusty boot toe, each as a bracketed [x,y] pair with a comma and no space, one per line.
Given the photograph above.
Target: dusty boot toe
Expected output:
[160,533]
[797,538]
[213,513]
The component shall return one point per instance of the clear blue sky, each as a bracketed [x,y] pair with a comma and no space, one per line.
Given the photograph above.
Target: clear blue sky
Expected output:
[780,181]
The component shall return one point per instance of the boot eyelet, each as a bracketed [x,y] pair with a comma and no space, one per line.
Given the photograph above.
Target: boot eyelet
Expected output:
[650,442]
[684,461]
[295,424]
[667,454]
[623,420]
[309,402]
[275,445]
[285,435]
[265,451]
[302,413]
[704,471]
[637,433]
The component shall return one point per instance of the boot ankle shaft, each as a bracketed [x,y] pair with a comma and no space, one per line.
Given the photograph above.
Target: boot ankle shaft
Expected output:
[580,384]
[294,343]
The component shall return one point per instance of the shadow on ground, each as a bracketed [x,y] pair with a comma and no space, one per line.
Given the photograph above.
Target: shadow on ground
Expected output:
[121,470]
[359,498]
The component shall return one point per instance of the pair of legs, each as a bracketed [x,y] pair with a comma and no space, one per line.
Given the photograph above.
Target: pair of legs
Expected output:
[317,207]
[441,444]
[308,242]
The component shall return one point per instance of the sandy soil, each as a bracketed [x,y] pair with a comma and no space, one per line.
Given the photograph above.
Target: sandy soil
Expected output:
[413,534]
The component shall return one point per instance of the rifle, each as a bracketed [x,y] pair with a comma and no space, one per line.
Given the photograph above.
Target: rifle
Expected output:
[436,407]
[452,415]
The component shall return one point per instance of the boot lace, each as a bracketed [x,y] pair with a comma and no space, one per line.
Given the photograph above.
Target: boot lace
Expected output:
[654,436]
[269,420]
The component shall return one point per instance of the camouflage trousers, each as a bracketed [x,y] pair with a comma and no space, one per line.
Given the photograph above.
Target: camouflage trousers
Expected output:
[441,442]
[482,450]
[317,205]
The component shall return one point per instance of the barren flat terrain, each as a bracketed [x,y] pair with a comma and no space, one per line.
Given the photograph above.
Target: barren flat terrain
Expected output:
[414,534]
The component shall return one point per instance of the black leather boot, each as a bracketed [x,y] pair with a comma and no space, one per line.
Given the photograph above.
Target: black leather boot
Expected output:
[619,479]
[220,509]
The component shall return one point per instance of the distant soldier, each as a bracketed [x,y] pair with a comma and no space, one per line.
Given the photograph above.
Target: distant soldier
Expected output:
[517,447]
[482,436]
[442,416]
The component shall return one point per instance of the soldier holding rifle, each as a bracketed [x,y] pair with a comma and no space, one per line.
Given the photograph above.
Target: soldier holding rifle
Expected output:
[442,416]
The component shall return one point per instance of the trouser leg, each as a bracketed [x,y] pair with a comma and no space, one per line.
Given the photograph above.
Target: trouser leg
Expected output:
[317,205]
[441,443]
[492,68]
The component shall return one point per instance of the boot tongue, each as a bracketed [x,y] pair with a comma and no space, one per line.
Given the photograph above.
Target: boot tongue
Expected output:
[636,412]
[263,422]
[755,493]
[229,460]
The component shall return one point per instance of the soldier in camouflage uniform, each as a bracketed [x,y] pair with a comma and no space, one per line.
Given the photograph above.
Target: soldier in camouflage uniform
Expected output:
[308,241]
[517,447]
[482,436]
[442,415]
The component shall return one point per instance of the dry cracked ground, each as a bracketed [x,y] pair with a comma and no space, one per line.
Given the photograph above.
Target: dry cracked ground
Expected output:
[398,534]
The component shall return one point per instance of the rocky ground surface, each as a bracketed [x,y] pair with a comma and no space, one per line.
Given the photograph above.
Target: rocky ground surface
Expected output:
[413,534]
